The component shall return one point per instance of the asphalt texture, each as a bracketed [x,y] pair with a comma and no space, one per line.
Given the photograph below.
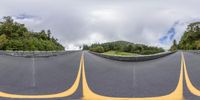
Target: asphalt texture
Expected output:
[193,68]
[37,76]
[132,79]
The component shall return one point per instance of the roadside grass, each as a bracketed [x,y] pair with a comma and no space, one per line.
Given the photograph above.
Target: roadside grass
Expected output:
[118,53]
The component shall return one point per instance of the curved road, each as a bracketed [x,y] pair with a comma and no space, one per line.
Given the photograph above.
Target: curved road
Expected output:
[103,77]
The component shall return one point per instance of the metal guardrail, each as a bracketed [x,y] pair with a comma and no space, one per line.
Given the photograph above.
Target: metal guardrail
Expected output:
[35,53]
[136,58]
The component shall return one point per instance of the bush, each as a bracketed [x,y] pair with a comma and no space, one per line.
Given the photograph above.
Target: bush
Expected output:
[123,46]
[98,49]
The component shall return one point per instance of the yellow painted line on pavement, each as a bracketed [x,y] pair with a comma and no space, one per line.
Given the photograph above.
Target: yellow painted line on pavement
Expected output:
[189,84]
[66,93]
[88,94]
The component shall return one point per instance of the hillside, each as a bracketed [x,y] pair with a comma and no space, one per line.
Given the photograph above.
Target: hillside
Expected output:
[15,36]
[123,46]
[191,37]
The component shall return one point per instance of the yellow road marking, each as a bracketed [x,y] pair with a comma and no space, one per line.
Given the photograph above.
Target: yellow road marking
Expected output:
[88,94]
[189,84]
[68,92]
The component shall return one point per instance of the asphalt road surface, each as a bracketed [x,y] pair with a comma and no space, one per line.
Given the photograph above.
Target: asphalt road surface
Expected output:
[38,76]
[90,77]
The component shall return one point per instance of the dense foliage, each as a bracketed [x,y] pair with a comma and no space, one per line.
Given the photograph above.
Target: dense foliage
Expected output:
[191,38]
[123,46]
[174,47]
[15,36]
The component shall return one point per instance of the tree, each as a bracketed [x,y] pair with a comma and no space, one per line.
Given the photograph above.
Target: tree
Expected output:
[197,44]
[49,34]
[85,47]
[98,49]
[190,38]
[174,47]
[3,40]
[8,19]
[123,46]
[128,48]
[6,26]
[15,36]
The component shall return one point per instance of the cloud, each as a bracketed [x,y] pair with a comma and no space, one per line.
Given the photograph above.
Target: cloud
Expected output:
[76,22]
[170,34]
[24,16]
[176,31]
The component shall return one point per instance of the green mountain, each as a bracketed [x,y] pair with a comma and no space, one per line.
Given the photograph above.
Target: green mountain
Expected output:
[15,36]
[123,46]
[191,37]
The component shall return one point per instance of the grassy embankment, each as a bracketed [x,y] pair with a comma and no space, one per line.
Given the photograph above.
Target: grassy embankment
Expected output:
[118,53]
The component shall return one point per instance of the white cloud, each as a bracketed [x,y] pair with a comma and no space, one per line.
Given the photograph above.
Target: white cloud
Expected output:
[75,22]
[105,15]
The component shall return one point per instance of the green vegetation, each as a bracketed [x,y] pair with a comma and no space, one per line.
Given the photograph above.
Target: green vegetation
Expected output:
[15,36]
[174,47]
[118,53]
[123,46]
[190,39]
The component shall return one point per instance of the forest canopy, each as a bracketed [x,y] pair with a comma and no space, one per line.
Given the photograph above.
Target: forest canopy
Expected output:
[190,39]
[123,46]
[15,36]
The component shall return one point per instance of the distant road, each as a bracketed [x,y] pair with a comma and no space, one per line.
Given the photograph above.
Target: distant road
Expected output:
[87,76]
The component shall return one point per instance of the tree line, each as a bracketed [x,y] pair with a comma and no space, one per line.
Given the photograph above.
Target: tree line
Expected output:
[15,36]
[190,39]
[123,46]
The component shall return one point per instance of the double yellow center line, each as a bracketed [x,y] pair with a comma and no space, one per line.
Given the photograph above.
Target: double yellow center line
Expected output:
[88,94]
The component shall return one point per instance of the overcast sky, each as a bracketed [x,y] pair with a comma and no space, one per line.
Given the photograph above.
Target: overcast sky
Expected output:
[76,22]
